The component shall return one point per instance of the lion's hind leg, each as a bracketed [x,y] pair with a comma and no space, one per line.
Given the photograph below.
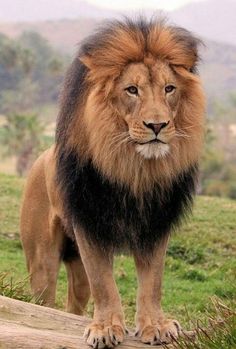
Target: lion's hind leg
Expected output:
[43,276]
[42,242]
[41,233]
[78,285]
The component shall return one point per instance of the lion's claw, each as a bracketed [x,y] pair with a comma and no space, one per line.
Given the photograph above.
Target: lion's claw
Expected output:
[162,333]
[99,336]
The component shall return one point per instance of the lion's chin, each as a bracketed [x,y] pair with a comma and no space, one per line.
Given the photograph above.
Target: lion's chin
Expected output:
[153,150]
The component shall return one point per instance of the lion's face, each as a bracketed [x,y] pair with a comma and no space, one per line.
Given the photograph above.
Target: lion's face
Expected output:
[147,99]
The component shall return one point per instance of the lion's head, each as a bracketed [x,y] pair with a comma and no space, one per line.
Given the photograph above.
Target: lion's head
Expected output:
[133,103]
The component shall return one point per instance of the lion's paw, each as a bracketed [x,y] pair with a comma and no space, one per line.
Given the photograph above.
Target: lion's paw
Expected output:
[99,336]
[162,333]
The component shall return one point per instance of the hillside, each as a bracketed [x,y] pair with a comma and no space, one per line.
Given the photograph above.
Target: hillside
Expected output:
[63,34]
[213,19]
[218,66]
[218,69]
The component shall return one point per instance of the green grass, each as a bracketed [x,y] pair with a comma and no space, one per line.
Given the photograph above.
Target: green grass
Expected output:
[200,264]
[10,196]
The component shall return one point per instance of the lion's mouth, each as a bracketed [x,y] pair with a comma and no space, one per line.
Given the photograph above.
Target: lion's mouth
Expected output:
[156,140]
[153,149]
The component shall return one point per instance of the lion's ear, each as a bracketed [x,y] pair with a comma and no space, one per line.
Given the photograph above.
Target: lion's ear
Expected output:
[186,72]
[87,61]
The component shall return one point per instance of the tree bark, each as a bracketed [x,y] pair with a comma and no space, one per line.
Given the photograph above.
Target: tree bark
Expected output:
[28,326]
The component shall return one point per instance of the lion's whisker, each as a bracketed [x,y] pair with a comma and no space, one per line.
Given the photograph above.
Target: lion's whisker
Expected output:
[182,136]
[116,142]
[119,137]
[186,128]
[126,140]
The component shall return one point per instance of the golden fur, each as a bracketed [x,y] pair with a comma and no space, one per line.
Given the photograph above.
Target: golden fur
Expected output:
[106,124]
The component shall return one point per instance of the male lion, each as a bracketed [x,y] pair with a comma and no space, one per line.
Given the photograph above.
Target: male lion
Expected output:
[121,175]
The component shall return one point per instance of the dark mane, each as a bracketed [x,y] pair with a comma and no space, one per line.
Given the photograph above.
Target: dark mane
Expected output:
[113,218]
[73,91]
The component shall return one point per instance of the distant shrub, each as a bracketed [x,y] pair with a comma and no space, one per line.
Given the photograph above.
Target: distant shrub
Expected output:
[220,187]
[232,191]
[216,188]
[194,274]
[225,293]
[190,255]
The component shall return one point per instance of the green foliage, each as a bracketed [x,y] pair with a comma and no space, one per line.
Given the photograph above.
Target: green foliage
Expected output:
[16,63]
[10,53]
[10,198]
[15,102]
[48,66]
[211,160]
[14,289]
[219,159]
[20,130]
[218,168]
[224,110]
[31,72]
[216,187]
[219,332]
[194,274]
[191,255]
[21,136]
[232,190]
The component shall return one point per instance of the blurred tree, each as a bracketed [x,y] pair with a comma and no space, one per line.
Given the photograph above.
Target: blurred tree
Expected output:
[30,76]
[218,170]
[232,99]
[49,65]
[211,160]
[21,138]
[55,66]
[29,64]
[232,190]
[9,54]
[22,100]
[9,59]
[223,110]
[27,60]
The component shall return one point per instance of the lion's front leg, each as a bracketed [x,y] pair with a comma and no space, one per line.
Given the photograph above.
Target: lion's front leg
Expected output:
[107,328]
[152,327]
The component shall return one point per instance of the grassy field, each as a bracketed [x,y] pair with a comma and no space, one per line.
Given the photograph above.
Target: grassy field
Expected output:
[200,264]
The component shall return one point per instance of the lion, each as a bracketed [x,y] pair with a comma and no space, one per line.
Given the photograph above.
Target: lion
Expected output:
[121,176]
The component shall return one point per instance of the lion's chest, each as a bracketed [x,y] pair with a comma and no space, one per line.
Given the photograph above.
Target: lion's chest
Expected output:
[113,218]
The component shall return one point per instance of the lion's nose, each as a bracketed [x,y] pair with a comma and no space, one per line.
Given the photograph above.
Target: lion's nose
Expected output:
[156,127]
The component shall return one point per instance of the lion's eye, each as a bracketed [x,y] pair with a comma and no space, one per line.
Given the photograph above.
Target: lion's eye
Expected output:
[169,88]
[132,90]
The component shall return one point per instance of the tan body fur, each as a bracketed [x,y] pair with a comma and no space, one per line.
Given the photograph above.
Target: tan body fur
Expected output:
[115,128]
[43,235]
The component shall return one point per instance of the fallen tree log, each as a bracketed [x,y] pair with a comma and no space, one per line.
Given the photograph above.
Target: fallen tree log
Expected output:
[28,326]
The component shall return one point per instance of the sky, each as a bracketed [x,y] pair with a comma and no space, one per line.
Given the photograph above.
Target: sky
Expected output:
[135,4]
[33,10]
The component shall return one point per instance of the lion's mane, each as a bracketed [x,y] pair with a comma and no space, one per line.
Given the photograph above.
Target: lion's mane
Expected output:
[119,200]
